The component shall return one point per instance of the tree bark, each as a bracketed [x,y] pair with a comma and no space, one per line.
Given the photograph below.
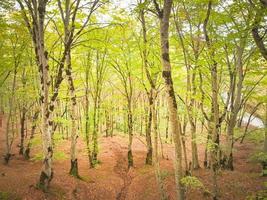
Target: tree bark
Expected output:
[87,121]
[151,99]
[148,131]
[264,164]
[36,26]
[73,116]
[22,129]
[11,112]
[214,120]
[130,133]
[163,195]
[175,125]
[33,128]
[235,107]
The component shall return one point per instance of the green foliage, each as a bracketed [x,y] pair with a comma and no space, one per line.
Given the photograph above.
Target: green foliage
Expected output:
[164,174]
[96,163]
[57,139]
[260,157]
[259,195]
[121,42]
[4,195]
[37,157]
[211,146]
[256,136]
[201,138]
[58,155]
[36,141]
[192,182]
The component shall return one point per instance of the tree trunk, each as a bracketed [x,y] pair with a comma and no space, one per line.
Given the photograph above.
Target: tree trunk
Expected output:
[148,131]
[163,195]
[47,171]
[74,119]
[130,133]
[214,121]
[95,133]
[195,162]
[264,164]
[22,130]
[36,26]
[187,169]
[11,112]
[235,108]
[167,128]
[249,120]
[151,99]
[33,128]
[175,126]
[87,122]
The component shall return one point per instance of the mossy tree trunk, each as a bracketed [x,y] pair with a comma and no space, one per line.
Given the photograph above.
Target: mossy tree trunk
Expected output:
[175,124]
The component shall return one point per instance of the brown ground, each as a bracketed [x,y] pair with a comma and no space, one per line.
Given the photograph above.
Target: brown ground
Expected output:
[111,179]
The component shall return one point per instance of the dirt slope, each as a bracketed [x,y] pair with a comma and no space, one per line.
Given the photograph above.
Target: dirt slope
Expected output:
[112,179]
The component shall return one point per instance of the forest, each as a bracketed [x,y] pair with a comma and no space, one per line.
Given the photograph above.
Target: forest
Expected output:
[133,99]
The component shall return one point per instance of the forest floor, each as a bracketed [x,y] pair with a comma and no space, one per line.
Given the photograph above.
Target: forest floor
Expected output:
[112,180]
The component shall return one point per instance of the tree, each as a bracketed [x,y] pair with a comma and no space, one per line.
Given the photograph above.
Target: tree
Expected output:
[68,16]
[215,124]
[164,16]
[126,80]
[192,47]
[35,22]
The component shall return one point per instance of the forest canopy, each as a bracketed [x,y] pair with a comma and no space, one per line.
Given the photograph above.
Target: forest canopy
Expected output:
[151,82]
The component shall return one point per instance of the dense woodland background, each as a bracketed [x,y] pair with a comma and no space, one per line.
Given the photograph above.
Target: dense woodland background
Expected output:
[136,99]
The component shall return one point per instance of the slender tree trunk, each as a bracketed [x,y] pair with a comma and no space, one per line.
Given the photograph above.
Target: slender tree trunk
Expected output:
[206,161]
[249,120]
[191,92]
[235,108]
[148,131]
[87,122]
[107,123]
[23,117]
[8,146]
[95,133]
[151,99]
[33,128]
[175,125]
[68,34]
[195,162]
[22,130]
[141,120]
[187,169]
[11,112]
[241,117]
[264,164]
[130,133]
[111,121]
[163,195]
[74,119]
[167,128]
[214,121]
